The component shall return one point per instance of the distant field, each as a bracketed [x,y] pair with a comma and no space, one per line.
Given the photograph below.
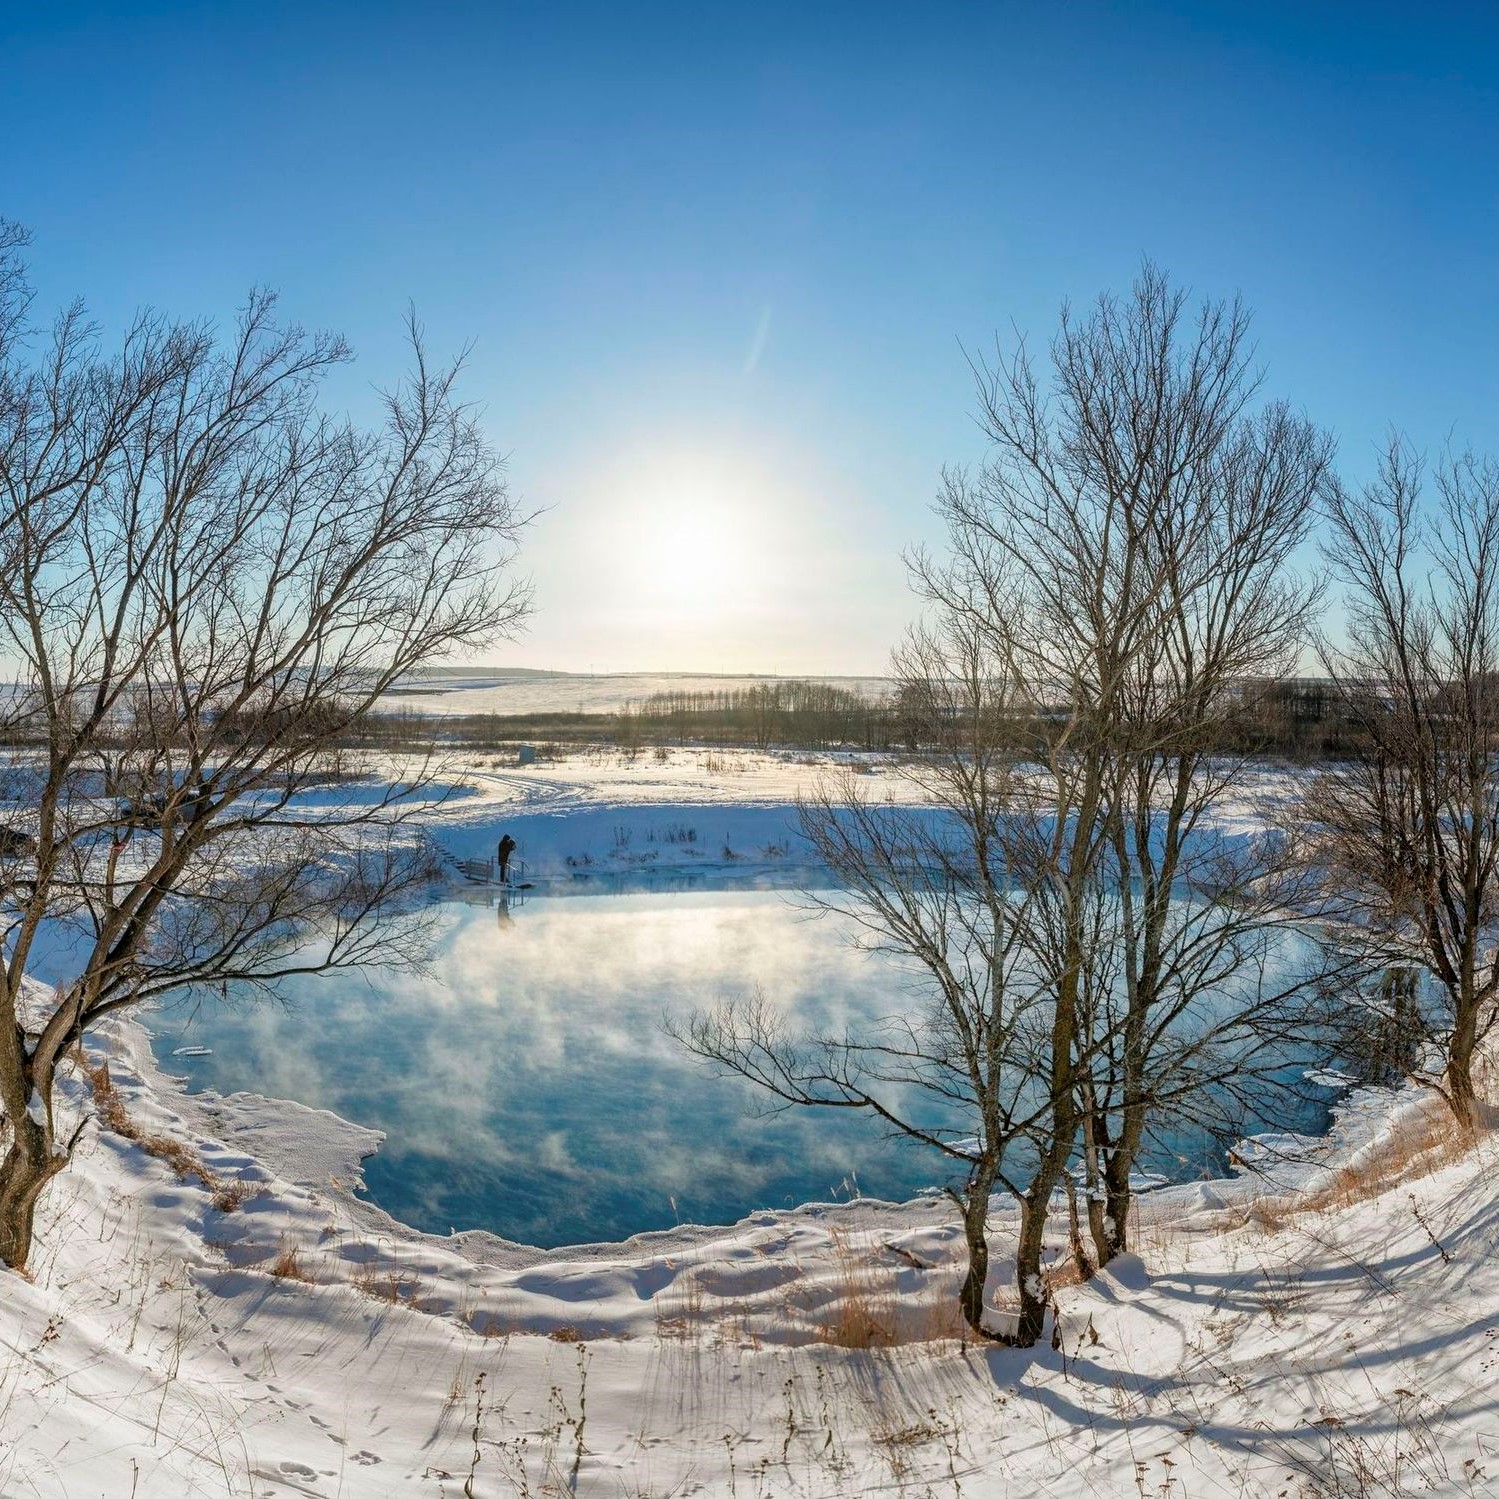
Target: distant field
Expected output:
[537,693]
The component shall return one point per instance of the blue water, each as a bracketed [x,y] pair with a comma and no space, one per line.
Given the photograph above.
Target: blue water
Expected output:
[526,1085]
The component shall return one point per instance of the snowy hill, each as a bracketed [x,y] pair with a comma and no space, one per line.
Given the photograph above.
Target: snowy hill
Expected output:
[1261,1343]
[215,1310]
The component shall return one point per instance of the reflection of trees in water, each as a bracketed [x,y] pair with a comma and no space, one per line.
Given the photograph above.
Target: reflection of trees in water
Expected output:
[1380,1041]
[546,1036]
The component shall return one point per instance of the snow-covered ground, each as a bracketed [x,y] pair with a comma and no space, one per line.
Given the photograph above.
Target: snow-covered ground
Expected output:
[600,813]
[460,693]
[1263,1341]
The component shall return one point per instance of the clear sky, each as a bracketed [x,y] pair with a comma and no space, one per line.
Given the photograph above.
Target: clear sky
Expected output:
[716,261]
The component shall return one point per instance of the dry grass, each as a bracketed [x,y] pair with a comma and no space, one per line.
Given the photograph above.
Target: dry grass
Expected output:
[391,1285]
[288,1264]
[231,1194]
[680,1308]
[859,1305]
[179,1155]
[1415,1147]
[1063,1272]
[857,1321]
[487,1325]
[227,1193]
[870,1311]
[863,1311]
[107,1101]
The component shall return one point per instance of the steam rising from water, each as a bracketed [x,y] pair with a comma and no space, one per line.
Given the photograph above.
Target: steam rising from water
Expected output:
[527,1087]
[526,1084]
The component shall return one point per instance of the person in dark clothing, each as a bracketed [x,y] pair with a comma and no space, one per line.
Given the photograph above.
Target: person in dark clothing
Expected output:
[506,848]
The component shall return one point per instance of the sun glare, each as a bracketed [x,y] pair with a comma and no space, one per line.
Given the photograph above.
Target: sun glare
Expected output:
[690,545]
[691,527]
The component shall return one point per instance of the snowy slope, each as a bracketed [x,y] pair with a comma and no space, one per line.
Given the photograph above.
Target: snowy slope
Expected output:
[1246,1351]
[1278,1334]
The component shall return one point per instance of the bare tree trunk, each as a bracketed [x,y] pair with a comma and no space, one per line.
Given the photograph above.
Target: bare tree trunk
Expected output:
[1462,1096]
[28,1166]
[1098,1209]
[1030,1281]
[1117,1201]
[1085,1266]
[975,1232]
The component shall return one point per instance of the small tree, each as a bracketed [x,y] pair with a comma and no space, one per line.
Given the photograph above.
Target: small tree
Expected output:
[206,584]
[1407,829]
[966,1074]
[1128,549]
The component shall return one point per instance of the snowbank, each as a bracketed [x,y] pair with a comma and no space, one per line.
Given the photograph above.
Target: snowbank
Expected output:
[159,1348]
[307,1345]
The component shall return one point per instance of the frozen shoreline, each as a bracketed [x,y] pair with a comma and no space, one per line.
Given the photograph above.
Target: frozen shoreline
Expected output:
[588,838]
[306,1344]
[318,1149]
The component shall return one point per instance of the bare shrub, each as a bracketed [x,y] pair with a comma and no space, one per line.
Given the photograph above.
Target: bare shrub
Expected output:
[288,1264]
[228,1194]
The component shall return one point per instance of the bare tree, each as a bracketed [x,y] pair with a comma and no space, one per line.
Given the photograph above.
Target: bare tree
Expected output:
[1129,548]
[1123,564]
[965,1073]
[1408,828]
[1121,569]
[206,583]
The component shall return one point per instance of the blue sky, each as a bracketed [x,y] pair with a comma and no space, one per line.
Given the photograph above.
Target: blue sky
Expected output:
[716,261]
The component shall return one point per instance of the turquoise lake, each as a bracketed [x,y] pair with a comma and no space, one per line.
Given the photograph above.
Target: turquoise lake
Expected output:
[526,1085]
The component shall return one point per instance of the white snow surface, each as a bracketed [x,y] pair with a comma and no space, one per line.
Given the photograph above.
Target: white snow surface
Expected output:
[1246,1347]
[461,693]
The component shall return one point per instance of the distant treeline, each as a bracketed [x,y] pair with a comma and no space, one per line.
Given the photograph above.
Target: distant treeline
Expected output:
[815,715]
[785,714]
[1299,719]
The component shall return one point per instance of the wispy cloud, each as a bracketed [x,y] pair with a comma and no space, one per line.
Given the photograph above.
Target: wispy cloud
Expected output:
[757,343]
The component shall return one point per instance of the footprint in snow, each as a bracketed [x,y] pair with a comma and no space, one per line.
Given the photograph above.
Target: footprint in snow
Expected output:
[364,1459]
[297,1470]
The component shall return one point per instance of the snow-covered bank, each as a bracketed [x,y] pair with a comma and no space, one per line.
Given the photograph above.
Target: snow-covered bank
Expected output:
[612,812]
[158,1348]
[306,1344]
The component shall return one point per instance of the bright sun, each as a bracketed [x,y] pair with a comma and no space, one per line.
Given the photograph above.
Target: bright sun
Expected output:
[689,526]
[690,546]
